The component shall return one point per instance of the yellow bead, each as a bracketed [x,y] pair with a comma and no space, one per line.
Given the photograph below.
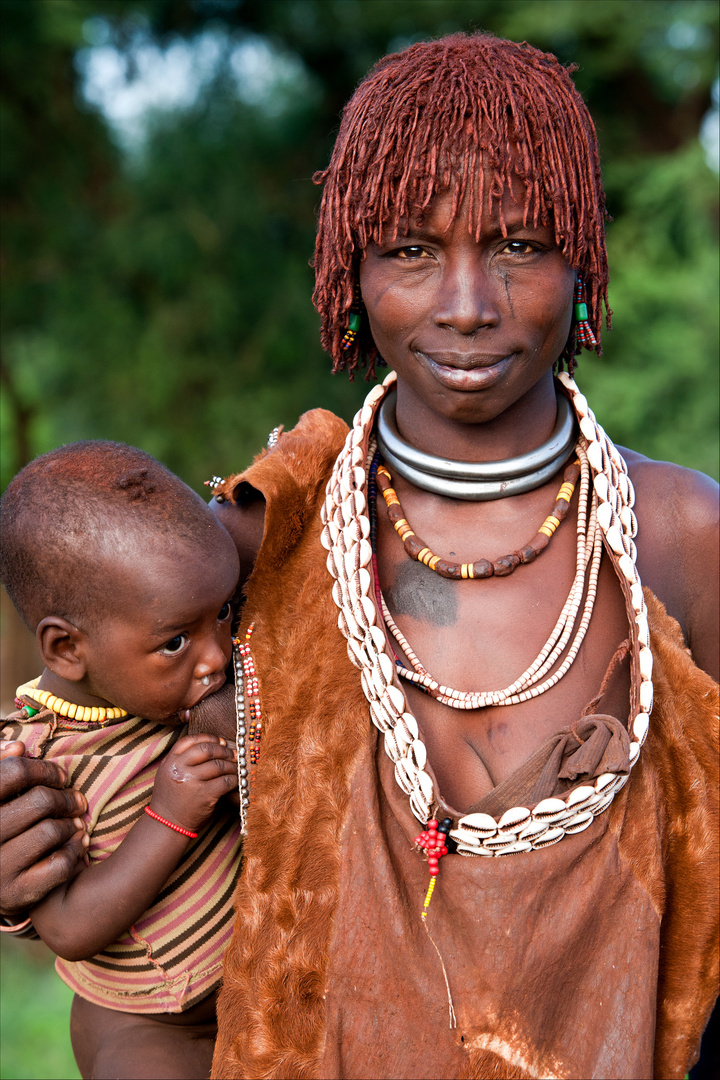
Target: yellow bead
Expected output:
[549,525]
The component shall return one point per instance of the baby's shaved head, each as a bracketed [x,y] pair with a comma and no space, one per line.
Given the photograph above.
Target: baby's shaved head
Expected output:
[67,512]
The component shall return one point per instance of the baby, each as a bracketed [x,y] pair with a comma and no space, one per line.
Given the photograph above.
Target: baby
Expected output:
[126,577]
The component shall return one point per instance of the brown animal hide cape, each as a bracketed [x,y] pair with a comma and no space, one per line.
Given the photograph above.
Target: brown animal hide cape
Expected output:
[596,957]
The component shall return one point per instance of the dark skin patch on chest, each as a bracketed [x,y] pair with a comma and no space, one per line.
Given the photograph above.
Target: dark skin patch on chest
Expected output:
[418,592]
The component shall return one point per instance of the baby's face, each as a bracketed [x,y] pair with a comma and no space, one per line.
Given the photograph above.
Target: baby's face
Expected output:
[169,641]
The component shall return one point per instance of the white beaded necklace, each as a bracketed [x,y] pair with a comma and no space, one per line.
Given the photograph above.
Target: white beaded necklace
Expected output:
[346,537]
[589,547]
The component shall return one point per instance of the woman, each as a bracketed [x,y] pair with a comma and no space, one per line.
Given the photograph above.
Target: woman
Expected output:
[461,240]
[464,199]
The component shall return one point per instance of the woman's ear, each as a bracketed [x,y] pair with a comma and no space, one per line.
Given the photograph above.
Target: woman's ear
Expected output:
[62,648]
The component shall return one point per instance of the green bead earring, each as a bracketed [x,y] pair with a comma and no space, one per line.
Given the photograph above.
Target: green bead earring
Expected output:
[354,320]
[583,331]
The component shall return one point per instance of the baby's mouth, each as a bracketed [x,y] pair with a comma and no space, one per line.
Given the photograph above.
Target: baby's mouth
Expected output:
[185,713]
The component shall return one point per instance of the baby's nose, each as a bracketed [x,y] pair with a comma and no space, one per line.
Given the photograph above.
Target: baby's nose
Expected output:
[213,661]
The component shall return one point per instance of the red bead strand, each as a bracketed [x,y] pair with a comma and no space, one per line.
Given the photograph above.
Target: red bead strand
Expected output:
[252,695]
[433,841]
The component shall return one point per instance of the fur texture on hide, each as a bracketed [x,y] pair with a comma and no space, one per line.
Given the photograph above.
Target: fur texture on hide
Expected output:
[552,958]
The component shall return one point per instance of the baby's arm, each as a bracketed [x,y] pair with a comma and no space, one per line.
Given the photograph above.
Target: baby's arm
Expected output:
[80,918]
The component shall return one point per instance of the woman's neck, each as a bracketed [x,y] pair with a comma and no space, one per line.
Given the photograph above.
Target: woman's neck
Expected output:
[518,429]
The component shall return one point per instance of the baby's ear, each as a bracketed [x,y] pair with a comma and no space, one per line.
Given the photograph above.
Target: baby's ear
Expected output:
[62,647]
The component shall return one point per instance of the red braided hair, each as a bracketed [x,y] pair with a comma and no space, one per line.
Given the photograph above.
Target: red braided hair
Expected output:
[428,119]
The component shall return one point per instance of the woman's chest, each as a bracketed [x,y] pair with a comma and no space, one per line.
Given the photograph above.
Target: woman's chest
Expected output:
[485,636]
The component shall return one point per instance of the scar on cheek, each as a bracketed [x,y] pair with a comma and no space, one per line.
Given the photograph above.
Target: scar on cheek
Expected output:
[178,776]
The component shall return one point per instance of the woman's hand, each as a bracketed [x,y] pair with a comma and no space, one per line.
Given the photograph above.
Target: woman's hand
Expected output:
[42,835]
[198,771]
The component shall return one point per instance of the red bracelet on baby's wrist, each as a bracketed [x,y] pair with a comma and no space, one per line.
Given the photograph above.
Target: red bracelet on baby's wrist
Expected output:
[24,928]
[175,828]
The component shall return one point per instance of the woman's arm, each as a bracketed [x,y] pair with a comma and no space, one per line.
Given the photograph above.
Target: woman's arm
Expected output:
[678,536]
[42,833]
[82,917]
[702,575]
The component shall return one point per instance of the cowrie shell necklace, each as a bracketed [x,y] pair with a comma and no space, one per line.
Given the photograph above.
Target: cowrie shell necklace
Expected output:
[345,535]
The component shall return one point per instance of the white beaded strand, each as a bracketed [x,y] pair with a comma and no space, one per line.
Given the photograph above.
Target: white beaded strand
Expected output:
[524,688]
[241,738]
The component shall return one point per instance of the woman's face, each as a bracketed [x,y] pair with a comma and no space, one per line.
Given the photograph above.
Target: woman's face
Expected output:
[470,326]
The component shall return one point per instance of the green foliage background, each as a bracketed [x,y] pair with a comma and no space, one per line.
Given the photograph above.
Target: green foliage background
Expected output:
[162,298]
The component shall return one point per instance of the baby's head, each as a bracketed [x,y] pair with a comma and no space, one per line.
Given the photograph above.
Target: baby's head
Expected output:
[125,576]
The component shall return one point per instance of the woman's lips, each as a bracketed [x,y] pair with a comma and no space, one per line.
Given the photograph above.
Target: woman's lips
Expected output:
[466,373]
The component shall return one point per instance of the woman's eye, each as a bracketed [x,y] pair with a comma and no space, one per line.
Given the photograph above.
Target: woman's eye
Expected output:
[519,247]
[412,251]
[174,645]
[225,612]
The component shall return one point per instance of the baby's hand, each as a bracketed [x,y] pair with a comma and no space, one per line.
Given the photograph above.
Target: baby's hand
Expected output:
[198,771]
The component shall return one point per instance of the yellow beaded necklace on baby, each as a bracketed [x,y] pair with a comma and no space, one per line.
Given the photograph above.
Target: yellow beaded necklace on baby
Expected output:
[80,713]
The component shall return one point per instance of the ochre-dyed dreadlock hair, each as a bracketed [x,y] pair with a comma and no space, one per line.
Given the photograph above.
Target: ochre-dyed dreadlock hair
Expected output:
[448,114]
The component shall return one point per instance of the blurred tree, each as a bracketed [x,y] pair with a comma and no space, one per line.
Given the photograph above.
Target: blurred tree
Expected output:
[162,297]
[55,165]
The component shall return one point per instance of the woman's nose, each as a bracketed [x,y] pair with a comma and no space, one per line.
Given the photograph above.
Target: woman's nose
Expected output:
[468,298]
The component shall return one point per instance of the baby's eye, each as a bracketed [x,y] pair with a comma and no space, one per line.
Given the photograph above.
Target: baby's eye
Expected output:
[174,645]
[225,612]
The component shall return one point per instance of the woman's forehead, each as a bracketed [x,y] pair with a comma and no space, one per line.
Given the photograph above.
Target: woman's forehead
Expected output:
[483,202]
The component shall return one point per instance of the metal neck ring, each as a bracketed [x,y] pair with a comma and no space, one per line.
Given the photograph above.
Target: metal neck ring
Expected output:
[559,443]
[476,481]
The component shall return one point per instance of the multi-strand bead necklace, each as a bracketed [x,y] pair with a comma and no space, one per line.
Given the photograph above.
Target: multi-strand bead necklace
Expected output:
[247,707]
[532,682]
[605,514]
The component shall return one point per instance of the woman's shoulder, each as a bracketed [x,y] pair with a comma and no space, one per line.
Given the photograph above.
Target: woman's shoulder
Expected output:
[674,505]
[655,481]
[678,513]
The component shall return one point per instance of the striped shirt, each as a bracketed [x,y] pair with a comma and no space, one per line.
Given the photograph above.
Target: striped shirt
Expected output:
[172,957]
